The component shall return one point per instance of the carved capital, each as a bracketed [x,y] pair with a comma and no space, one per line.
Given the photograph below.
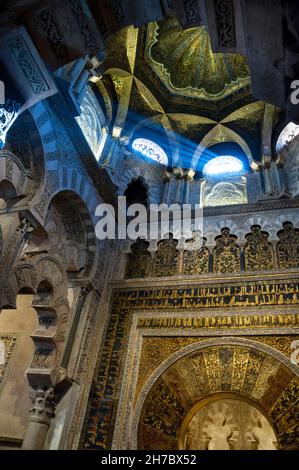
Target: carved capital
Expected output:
[189,175]
[281,158]
[167,176]
[267,160]
[43,409]
[25,228]
[178,172]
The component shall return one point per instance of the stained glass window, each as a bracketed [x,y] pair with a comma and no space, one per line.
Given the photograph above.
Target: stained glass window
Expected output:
[151,150]
[223,165]
[287,135]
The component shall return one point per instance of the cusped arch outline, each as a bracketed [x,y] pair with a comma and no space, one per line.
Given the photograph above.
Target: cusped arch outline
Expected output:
[251,344]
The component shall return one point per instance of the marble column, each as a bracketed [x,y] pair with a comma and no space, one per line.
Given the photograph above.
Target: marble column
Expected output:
[186,192]
[39,420]
[189,175]
[178,173]
[84,291]
[268,180]
[261,181]
[281,171]
[166,188]
[111,152]
[178,190]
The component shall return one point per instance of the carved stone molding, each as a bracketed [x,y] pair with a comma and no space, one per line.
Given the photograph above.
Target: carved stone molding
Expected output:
[43,409]
[43,274]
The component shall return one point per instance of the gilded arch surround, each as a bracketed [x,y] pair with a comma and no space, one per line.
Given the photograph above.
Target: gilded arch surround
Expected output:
[170,377]
[164,314]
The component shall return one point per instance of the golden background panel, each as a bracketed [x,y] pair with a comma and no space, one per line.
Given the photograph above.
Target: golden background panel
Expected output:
[156,349]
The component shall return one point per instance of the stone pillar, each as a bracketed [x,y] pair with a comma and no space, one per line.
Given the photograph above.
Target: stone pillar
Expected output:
[261,181]
[189,175]
[178,172]
[84,291]
[282,176]
[178,190]
[186,192]
[268,181]
[39,420]
[111,152]
[166,188]
[267,177]
[256,177]
[108,151]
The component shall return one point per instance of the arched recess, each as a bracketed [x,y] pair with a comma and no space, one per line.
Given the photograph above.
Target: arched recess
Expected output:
[137,192]
[250,369]
[46,278]
[220,134]
[71,233]
[151,178]
[151,125]
[16,182]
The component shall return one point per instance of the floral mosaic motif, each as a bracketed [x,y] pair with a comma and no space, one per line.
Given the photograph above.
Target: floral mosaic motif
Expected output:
[226,253]
[139,260]
[258,251]
[196,262]
[226,256]
[288,246]
[166,260]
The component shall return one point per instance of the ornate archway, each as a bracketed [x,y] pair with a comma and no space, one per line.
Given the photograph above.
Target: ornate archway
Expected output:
[252,372]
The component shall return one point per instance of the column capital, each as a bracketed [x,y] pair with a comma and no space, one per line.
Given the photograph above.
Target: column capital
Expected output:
[167,176]
[281,158]
[43,409]
[267,160]
[256,166]
[178,173]
[189,174]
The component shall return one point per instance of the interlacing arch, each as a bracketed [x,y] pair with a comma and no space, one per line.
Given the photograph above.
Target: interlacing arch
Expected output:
[45,277]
